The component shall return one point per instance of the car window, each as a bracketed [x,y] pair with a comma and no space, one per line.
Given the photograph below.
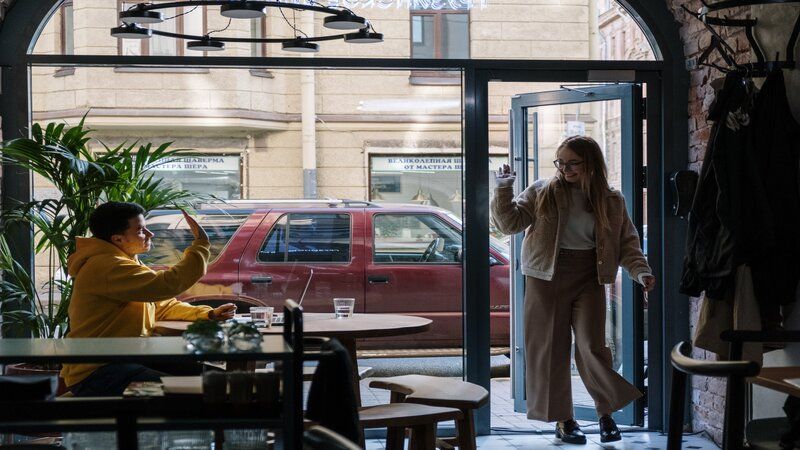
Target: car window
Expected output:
[414,239]
[299,237]
[172,235]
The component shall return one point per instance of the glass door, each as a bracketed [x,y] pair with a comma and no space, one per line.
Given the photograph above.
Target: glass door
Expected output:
[611,114]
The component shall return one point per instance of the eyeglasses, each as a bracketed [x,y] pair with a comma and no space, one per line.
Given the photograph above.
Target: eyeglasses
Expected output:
[564,166]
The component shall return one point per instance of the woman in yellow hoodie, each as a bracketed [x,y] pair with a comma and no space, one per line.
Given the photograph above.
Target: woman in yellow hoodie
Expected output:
[114,295]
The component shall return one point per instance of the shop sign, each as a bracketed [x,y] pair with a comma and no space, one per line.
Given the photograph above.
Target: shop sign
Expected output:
[205,163]
[411,4]
[416,164]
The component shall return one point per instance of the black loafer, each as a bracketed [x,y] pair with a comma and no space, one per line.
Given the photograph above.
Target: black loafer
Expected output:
[570,432]
[608,430]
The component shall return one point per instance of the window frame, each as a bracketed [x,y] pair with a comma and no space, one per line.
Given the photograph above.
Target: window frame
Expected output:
[180,48]
[443,221]
[288,214]
[436,76]
[64,32]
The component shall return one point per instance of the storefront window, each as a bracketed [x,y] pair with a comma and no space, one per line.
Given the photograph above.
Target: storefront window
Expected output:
[433,180]
[215,175]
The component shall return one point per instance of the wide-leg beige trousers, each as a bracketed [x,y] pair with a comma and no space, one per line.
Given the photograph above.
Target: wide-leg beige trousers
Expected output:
[572,302]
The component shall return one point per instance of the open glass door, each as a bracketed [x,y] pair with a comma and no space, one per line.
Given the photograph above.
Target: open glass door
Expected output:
[612,115]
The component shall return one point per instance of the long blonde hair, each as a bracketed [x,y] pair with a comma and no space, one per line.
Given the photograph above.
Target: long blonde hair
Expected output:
[594,184]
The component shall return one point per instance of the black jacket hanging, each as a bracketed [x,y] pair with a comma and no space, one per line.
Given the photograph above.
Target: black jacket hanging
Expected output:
[775,259]
[716,231]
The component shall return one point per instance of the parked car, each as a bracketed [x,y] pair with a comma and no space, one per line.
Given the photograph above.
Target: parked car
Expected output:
[400,259]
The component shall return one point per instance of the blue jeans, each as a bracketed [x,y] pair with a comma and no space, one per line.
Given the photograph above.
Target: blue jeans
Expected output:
[112,379]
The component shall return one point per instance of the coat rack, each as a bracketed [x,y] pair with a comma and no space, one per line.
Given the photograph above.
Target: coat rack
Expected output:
[762,66]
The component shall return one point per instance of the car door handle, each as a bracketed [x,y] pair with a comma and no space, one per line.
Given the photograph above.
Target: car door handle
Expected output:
[265,279]
[378,279]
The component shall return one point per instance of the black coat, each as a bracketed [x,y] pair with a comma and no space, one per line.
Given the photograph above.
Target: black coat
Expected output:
[746,208]
[775,258]
[713,248]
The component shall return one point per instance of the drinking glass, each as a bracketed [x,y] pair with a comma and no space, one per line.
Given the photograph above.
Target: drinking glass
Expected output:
[343,307]
[262,316]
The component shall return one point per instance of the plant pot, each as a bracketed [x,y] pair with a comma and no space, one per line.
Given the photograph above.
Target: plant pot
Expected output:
[32,369]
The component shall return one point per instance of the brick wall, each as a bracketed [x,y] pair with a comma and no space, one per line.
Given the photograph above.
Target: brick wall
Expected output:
[707,394]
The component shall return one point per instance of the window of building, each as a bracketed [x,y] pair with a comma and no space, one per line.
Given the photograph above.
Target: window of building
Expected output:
[217,175]
[415,239]
[183,20]
[67,29]
[433,180]
[440,34]
[300,237]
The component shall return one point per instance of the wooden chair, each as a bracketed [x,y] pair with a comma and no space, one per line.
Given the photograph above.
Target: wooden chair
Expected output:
[321,438]
[397,417]
[308,372]
[441,392]
[735,371]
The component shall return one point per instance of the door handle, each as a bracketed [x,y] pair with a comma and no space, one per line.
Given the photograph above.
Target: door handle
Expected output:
[378,279]
[264,279]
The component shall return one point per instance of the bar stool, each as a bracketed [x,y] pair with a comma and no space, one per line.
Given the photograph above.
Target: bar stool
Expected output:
[442,392]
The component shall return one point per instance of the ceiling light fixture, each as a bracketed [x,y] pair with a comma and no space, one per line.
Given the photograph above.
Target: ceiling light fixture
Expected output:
[131,32]
[339,18]
[137,15]
[243,10]
[206,45]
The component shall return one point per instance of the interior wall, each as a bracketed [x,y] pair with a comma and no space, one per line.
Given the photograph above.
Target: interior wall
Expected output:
[774,27]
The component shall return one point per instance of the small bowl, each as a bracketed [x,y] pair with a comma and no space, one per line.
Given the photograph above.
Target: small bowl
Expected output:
[204,342]
[245,342]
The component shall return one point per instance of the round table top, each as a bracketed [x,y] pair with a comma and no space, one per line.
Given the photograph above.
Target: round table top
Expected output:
[324,324]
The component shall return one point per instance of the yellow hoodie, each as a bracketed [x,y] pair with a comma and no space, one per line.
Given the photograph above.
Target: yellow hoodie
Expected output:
[114,295]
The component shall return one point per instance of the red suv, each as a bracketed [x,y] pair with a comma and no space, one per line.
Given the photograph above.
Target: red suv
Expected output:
[400,259]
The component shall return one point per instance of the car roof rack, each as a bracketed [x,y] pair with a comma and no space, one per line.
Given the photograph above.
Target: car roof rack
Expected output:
[244,203]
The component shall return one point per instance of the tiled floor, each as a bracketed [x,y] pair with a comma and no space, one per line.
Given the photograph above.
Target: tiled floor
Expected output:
[630,441]
[512,430]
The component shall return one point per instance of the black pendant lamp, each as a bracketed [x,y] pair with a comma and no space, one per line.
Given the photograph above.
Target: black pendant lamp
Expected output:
[131,32]
[205,45]
[363,37]
[300,45]
[345,21]
[136,15]
[242,10]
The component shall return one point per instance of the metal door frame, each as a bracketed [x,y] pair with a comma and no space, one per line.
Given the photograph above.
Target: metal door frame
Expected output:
[629,95]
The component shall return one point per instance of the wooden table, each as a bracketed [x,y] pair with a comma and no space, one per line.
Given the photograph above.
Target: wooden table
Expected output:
[774,378]
[127,411]
[345,330]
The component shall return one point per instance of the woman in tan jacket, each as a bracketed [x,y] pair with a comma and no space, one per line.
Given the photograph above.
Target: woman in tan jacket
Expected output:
[577,234]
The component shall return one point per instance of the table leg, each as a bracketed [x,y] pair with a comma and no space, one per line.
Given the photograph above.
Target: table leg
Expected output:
[126,433]
[350,345]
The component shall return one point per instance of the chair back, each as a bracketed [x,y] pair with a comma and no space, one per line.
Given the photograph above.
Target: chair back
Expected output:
[293,372]
[735,372]
[321,438]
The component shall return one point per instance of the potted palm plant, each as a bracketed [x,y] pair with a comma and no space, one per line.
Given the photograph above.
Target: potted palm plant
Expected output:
[82,178]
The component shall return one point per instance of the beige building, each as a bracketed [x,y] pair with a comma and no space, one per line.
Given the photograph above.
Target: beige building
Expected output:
[254,131]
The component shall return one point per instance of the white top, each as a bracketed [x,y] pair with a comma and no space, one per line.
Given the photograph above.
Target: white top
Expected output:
[578,232]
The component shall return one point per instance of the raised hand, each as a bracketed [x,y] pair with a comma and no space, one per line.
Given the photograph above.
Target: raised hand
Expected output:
[504,176]
[197,230]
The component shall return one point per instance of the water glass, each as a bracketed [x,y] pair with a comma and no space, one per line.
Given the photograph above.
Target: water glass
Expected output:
[343,307]
[262,316]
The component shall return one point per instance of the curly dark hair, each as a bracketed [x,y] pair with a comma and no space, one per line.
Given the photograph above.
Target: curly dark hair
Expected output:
[112,218]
